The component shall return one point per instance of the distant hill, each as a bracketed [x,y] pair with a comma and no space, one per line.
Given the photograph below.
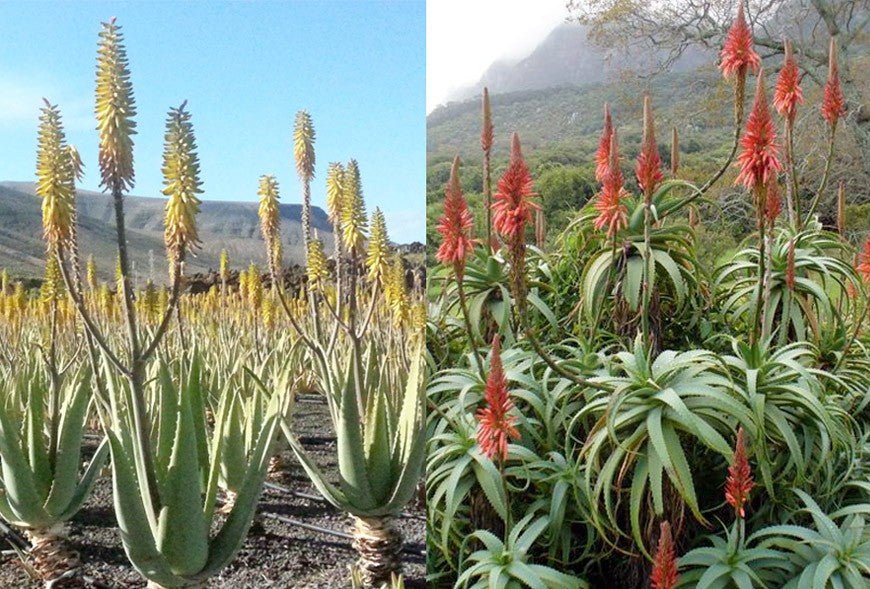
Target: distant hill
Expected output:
[221,224]
[567,57]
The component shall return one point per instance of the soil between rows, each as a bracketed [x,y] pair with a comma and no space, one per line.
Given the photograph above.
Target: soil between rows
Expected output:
[275,554]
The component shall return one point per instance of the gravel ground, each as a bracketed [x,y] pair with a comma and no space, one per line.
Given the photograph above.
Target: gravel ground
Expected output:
[275,554]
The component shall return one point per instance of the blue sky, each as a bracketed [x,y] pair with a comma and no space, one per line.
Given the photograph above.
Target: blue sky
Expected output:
[245,68]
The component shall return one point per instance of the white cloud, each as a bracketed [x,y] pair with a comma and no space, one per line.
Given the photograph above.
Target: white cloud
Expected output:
[463,37]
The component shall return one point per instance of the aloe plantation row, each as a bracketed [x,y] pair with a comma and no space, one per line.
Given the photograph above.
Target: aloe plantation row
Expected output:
[191,396]
[609,411]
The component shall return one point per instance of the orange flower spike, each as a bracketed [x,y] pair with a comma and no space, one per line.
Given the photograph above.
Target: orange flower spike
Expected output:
[649,164]
[664,571]
[787,93]
[758,161]
[455,225]
[833,102]
[496,426]
[864,262]
[738,55]
[513,205]
[602,156]
[613,214]
[739,483]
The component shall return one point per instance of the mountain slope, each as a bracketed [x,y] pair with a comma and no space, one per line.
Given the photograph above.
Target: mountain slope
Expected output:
[567,57]
[222,224]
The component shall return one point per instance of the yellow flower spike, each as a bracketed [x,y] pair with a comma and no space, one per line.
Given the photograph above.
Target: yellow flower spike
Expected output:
[395,291]
[270,218]
[334,193]
[91,273]
[181,184]
[224,266]
[303,153]
[353,212]
[52,287]
[379,247]
[54,178]
[115,109]
[255,287]
[317,268]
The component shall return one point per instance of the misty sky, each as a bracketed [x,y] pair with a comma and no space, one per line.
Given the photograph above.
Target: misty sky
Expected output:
[463,37]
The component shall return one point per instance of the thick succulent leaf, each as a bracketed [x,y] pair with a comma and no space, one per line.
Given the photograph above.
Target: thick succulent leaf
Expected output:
[68,458]
[86,484]
[183,531]
[18,483]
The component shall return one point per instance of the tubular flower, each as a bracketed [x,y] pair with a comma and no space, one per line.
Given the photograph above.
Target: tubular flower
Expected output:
[613,214]
[649,163]
[455,225]
[270,219]
[255,287]
[496,426]
[738,55]
[353,212]
[739,482]
[486,134]
[512,209]
[181,184]
[602,156]
[787,93]
[758,160]
[334,178]
[864,262]
[115,109]
[773,204]
[379,247]
[664,571]
[316,269]
[55,175]
[833,102]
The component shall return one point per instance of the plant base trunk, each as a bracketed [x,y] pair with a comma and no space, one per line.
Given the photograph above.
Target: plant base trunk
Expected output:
[50,556]
[379,545]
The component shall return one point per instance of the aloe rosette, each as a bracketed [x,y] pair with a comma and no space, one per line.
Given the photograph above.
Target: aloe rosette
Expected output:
[166,537]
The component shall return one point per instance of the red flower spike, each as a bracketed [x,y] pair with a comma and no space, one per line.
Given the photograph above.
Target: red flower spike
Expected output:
[738,55]
[496,426]
[649,163]
[739,482]
[602,156]
[833,102]
[864,262]
[787,93]
[486,135]
[664,571]
[774,203]
[612,213]
[455,225]
[513,206]
[758,160]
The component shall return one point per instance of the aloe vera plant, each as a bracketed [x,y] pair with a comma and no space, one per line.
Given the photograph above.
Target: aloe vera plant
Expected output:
[168,540]
[42,486]
[380,454]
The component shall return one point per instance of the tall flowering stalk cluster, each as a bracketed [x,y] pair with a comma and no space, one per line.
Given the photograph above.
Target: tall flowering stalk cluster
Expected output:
[758,161]
[664,570]
[833,102]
